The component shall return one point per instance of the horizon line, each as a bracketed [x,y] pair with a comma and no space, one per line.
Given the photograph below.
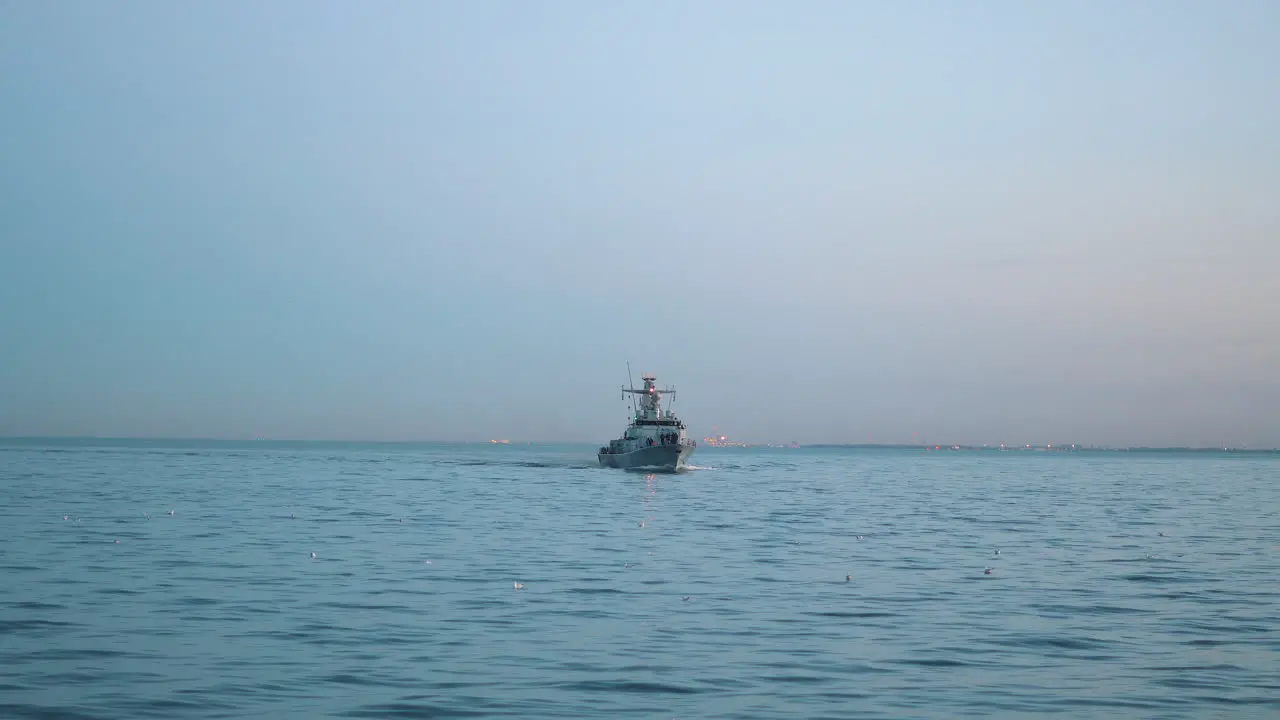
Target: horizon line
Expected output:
[1008,447]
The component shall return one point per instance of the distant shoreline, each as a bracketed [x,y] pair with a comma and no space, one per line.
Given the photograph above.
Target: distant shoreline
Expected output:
[1043,448]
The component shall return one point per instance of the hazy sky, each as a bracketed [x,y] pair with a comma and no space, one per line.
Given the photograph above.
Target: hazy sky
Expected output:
[822,221]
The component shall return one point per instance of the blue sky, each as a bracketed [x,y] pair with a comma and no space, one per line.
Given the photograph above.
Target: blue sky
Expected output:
[823,221]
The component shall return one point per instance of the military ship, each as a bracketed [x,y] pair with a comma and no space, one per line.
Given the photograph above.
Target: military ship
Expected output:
[655,440]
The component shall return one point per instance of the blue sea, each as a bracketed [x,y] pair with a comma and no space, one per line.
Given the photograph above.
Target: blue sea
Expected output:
[176,580]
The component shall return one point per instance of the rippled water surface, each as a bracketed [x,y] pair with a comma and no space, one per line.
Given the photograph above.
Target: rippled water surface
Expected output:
[1127,585]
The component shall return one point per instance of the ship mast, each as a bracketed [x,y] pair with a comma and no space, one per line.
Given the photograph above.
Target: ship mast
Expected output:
[650,398]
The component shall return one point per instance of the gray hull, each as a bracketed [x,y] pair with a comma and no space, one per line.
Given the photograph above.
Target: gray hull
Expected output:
[659,458]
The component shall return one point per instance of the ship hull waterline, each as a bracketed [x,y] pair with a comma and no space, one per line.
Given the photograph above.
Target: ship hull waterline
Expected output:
[655,458]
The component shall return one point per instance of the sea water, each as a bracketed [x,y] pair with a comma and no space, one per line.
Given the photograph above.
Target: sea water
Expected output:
[177,580]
